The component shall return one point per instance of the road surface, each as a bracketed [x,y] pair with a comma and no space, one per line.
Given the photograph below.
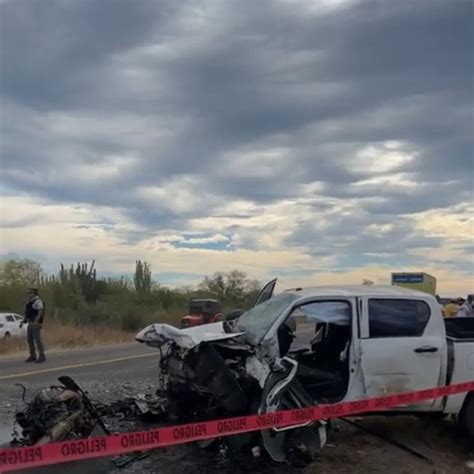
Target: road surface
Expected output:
[88,360]
[129,368]
[122,369]
[93,362]
[108,373]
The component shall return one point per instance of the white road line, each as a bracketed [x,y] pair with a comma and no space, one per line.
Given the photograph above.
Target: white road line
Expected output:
[75,366]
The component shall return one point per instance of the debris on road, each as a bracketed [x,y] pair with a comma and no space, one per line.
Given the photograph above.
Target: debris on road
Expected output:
[55,413]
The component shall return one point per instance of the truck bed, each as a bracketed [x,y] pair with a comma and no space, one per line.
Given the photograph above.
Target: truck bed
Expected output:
[460,359]
[460,329]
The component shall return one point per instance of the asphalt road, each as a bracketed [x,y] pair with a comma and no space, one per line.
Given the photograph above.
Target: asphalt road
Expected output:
[93,362]
[90,360]
[109,371]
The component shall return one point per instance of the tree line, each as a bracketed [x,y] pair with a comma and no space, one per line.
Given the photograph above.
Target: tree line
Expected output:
[77,294]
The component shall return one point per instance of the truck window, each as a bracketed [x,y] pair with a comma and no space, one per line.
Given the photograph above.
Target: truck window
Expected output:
[313,322]
[397,318]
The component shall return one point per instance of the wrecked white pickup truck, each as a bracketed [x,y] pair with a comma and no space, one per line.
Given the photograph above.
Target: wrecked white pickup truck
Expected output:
[317,345]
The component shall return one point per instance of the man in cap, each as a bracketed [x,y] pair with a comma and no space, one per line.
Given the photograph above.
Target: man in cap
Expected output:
[34,315]
[465,308]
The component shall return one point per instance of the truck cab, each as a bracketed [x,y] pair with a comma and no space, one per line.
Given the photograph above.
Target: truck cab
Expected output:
[322,345]
[368,341]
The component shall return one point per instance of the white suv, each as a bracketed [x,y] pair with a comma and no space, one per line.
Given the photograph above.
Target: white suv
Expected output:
[10,325]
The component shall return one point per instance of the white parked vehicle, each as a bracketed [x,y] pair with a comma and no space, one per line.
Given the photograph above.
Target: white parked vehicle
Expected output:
[10,325]
[321,345]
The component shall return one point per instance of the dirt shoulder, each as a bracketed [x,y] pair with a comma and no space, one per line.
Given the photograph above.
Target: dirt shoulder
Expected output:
[60,336]
[353,451]
[349,451]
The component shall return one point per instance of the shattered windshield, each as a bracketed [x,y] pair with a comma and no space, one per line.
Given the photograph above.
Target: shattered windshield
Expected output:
[329,312]
[257,321]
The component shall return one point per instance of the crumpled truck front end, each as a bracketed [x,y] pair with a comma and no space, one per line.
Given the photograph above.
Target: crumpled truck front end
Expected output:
[212,374]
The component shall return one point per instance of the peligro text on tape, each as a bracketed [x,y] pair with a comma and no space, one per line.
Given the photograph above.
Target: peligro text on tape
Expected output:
[12,459]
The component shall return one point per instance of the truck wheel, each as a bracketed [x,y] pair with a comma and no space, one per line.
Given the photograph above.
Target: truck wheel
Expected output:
[466,417]
[7,335]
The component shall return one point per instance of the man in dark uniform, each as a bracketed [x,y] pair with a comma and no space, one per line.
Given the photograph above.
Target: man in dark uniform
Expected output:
[34,315]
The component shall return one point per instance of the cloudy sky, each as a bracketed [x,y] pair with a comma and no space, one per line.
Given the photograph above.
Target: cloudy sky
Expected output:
[320,141]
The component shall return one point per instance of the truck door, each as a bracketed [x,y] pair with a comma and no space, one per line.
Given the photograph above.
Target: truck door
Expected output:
[403,347]
[266,292]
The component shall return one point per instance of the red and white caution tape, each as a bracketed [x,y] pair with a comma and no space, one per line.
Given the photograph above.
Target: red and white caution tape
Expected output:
[12,459]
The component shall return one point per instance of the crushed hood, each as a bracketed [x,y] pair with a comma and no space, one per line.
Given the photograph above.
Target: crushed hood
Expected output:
[156,335]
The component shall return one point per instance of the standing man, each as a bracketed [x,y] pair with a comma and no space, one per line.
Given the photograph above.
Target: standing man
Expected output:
[465,308]
[34,315]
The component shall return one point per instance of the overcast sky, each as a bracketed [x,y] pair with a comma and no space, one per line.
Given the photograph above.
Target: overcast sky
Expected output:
[316,140]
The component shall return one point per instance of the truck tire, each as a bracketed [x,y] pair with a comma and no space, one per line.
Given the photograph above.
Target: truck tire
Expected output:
[7,335]
[466,417]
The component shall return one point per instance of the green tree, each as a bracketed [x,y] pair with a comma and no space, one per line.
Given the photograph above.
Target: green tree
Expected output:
[21,272]
[142,278]
[82,279]
[232,287]
[215,285]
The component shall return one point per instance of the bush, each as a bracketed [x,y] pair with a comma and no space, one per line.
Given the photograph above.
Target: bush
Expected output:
[131,320]
[78,298]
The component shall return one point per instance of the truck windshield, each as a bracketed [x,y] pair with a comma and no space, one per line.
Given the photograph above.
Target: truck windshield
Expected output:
[256,322]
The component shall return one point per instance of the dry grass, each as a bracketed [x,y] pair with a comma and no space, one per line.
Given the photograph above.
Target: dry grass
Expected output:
[64,336]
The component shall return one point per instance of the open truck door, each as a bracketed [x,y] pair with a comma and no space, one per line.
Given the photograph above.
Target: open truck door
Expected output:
[266,293]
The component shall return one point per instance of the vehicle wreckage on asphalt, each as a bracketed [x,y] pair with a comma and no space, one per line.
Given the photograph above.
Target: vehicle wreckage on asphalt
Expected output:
[297,349]
[56,413]
[248,365]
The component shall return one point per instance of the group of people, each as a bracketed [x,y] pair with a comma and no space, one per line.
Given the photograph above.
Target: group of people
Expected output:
[459,308]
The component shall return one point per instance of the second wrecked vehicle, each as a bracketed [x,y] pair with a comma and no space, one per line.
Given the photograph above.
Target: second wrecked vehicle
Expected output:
[303,347]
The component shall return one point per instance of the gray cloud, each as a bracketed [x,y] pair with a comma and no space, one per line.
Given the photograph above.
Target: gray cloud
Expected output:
[55,52]
[181,86]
